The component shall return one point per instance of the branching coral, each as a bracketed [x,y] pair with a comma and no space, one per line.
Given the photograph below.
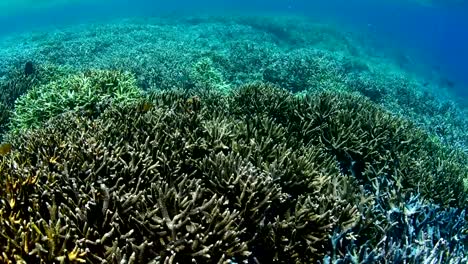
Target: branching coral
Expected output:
[205,76]
[17,82]
[87,91]
[257,175]
[293,52]
[360,136]
[402,228]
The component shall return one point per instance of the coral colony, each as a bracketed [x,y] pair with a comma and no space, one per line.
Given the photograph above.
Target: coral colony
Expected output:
[267,148]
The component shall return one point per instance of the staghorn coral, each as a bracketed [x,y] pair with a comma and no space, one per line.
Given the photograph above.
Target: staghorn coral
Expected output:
[88,91]
[255,176]
[4,117]
[362,136]
[299,233]
[402,228]
[307,69]
[293,52]
[204,76]
[130,204]
[16,82]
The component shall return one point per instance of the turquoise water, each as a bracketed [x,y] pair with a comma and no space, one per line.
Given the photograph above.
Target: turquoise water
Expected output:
[233,132]
[435,36]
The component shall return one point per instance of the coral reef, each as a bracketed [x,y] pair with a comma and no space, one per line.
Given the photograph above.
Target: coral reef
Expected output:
[17,82]
[256,175]
[89,92]
[4,119]
[408,230]
[293,52]
[205,76]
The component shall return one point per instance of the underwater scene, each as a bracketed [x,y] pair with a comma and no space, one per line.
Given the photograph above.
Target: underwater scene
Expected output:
[233,132]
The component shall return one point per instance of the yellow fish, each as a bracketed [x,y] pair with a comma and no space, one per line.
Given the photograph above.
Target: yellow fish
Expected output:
[5,148]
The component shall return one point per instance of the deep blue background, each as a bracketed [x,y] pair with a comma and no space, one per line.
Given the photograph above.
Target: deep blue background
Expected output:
[435,36]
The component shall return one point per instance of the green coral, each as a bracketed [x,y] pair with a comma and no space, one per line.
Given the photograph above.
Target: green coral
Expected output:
[205,76]
[89,91]
[16,83]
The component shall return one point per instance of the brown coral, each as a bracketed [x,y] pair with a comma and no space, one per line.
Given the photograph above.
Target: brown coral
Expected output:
[258,175]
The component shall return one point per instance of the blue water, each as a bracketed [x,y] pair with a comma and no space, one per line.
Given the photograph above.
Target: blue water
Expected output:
[436,36]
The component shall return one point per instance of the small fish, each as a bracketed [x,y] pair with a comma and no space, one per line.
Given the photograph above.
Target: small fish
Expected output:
[5,148]
[193,104]
[28,68]
[146,106]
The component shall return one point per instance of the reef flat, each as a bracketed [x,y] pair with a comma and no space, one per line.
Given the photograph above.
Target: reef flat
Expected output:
[225,140]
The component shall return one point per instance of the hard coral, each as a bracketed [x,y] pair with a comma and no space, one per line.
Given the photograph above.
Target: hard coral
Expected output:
[88,91]
[205,76]
[15,83]
[405,228]
[254,176]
